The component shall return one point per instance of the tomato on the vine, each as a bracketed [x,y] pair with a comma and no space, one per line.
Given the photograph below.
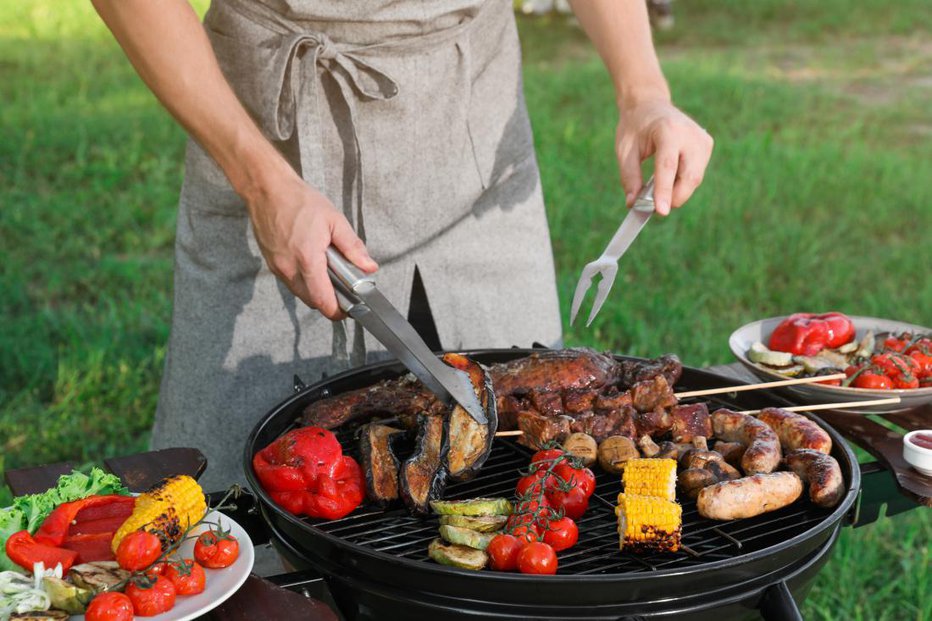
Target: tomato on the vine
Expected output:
[535,483]
[110,606]
[873,381]
[138,550]
[503,552]
[526,533]
[151,598]
[581,477]
[546,457]
[187,576]
[573,502]
[896,343]
[561,534]
[216,549]
[537,558]
[905,381]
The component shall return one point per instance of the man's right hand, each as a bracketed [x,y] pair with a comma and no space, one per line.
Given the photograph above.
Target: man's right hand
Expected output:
[294,224]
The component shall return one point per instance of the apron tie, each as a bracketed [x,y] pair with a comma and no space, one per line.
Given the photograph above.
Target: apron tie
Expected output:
[299,115]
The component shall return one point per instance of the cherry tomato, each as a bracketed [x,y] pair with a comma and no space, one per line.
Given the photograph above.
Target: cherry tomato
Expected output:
[526,533]
[187,576]
[923,362]
[157,570]
[546,457]
[503,552]
[583,477]
[151,598]
[537,558]
[873,381]
[216,549]
[138,550]
[905,381]
[896,343]
[894,364]
[110,607]
[574,502]
[923,345]
[533,482]
[561,534]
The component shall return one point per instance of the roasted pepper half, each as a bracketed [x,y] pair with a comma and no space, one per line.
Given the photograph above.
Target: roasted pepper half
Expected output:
[306,473]
[806,334]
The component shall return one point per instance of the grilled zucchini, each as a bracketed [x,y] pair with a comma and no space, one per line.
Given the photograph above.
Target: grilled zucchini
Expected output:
[456,555]
[473,507]
[481,523]
[465,537]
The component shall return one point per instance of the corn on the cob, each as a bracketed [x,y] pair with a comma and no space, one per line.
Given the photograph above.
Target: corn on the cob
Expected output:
[651,477]
[166,509]
[648,523]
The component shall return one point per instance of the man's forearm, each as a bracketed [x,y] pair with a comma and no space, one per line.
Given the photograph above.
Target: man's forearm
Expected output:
[620,31]
[167,45]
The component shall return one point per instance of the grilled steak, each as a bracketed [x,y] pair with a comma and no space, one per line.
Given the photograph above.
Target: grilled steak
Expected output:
[690,421]
[385,399]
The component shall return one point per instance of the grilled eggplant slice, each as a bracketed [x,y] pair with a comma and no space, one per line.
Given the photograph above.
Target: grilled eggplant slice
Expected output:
[379,462]
[468,442]
[98,576]
[481,523]
[466,537]
[43,615]
[474,507]
[456,555]
[423,475]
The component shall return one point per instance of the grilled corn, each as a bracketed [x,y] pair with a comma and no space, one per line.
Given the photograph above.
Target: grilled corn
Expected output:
[167,510]
[651,477]
[648,523]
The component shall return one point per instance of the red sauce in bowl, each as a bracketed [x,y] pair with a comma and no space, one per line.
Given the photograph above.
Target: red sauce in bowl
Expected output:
[922,439]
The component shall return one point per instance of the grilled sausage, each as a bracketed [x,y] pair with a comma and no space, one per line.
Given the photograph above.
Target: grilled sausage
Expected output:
[796,431]
[822,472]
[763,452]
[749,496]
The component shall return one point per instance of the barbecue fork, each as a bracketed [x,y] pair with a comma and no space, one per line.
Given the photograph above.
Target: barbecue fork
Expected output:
[607,264]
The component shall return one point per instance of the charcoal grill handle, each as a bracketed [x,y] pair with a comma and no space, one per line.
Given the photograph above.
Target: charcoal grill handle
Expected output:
[778,604]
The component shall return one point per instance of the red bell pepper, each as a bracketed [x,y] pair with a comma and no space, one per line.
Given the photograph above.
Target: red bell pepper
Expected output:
[67,518]
[807,333]
[306,473]
[26,552]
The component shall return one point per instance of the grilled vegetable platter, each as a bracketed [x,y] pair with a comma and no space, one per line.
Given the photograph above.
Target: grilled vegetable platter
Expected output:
[88,549]
[880,357]
[577,411]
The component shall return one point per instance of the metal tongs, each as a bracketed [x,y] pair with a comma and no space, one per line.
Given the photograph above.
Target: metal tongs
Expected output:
[361,299]
[607,264]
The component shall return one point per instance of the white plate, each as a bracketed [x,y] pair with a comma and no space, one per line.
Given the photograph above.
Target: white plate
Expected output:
[221,583]
[741,340]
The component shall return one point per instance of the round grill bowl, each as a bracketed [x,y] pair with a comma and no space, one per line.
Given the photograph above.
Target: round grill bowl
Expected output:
[385,552]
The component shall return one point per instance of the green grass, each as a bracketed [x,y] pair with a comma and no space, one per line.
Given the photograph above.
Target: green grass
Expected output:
[818,197]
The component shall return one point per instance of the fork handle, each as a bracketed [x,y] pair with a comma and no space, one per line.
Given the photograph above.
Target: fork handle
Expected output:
[644,201]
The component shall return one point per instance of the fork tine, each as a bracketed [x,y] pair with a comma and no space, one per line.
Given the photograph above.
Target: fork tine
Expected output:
[582,287]
[605,286]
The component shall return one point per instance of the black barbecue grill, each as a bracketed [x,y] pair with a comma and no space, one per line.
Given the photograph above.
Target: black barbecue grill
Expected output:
[376,565]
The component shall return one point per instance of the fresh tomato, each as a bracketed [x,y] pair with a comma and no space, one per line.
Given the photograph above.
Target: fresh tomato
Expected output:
[894,364]
[546,457]
[905,381]
[533,482]
[561,534]
[583,477]
[216,549]
[923,362]
[110,607]
[897,343]
[574,502]
[138,550]
[151,598]
[923,345]
[537,558]
[157,570]
[872,381]
[187,576]
[526,533]
[503,552]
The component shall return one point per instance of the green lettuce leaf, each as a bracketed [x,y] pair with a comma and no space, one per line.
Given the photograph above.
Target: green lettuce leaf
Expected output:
[11,521]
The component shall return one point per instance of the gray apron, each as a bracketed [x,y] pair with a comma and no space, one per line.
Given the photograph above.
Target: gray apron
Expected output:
[407,114]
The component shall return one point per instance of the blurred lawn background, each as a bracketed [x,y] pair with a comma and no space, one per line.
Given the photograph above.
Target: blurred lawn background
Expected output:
[819,197]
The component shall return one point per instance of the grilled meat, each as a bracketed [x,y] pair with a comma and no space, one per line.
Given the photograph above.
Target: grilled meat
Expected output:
[539,429]
[423,475]
[749,496]
[690,421]
[397,397]
[651,394]
[631,372]
[763,452]
[796,431]
[468,443]
[821,472]
[379,462]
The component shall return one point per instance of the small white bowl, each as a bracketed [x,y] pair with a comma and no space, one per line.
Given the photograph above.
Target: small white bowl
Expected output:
[918,457]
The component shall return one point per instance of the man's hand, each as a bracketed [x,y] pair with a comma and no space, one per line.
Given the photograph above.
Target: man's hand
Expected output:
[294,224]
[681,151]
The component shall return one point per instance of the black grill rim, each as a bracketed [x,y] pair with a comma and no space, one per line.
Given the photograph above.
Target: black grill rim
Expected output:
[830,521]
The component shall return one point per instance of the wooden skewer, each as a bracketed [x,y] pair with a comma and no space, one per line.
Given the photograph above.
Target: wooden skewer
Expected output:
[834,406]
[505,434]
[761,386]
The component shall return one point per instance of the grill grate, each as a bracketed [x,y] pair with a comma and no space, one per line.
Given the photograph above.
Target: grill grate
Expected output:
[394,532]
